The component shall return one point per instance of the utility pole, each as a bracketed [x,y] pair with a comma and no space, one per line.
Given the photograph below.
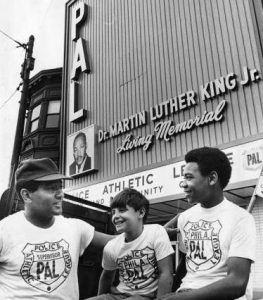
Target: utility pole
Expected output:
[27,66]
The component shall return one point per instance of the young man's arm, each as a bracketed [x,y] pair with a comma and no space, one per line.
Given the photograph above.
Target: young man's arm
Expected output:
[233,286]
[165,281]
[106,280]
[171,227]
[101,239]
[180,271]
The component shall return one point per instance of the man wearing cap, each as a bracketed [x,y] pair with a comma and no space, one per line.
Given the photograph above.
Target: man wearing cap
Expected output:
[39,248]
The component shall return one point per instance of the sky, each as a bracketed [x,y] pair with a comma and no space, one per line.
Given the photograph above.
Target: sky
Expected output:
[19,19]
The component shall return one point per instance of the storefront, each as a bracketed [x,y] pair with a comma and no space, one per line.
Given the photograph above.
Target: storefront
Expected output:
[145,81]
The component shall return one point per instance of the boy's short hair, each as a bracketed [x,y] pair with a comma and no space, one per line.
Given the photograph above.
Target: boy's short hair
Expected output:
[211,159]
[132,198]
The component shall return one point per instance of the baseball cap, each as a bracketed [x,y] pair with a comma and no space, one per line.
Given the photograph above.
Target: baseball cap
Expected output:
[42,169]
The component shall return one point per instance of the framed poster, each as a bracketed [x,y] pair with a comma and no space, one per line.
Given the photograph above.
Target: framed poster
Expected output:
[81,154]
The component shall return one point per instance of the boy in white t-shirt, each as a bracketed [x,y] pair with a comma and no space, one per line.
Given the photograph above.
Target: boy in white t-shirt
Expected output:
[141,253]
[217,237]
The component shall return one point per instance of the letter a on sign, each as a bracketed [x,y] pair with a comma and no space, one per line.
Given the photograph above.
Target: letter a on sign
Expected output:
[80,60]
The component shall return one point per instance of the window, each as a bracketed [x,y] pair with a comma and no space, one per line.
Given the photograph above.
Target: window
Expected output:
[53,113]
[35,118]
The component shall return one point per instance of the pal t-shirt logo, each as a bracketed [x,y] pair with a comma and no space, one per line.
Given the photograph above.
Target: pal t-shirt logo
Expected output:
[47,265]
[138,268]
[202,244]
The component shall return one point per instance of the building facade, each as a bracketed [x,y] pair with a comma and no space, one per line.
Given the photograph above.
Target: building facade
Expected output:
[145,81]
[42,127]
[41,136]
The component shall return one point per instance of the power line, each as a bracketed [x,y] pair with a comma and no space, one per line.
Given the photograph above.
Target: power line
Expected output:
[10,97]
[20,44]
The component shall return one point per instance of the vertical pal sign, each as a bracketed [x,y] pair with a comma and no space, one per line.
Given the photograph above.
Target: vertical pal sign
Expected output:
[79,62]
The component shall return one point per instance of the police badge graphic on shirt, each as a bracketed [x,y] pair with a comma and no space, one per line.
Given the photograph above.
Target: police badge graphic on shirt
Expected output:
[202,244]
[47,265]
[138,268]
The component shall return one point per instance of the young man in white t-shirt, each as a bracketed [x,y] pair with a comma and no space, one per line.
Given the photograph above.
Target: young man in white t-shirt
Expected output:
[141,253]
[217,237]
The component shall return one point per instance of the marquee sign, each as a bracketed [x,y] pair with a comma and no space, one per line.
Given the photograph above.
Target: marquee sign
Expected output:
[165,130]
[162,129]
[163,181]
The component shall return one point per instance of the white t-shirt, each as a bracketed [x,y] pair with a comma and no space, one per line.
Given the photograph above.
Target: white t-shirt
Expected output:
[209,237]
[137,260]
[37,263]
